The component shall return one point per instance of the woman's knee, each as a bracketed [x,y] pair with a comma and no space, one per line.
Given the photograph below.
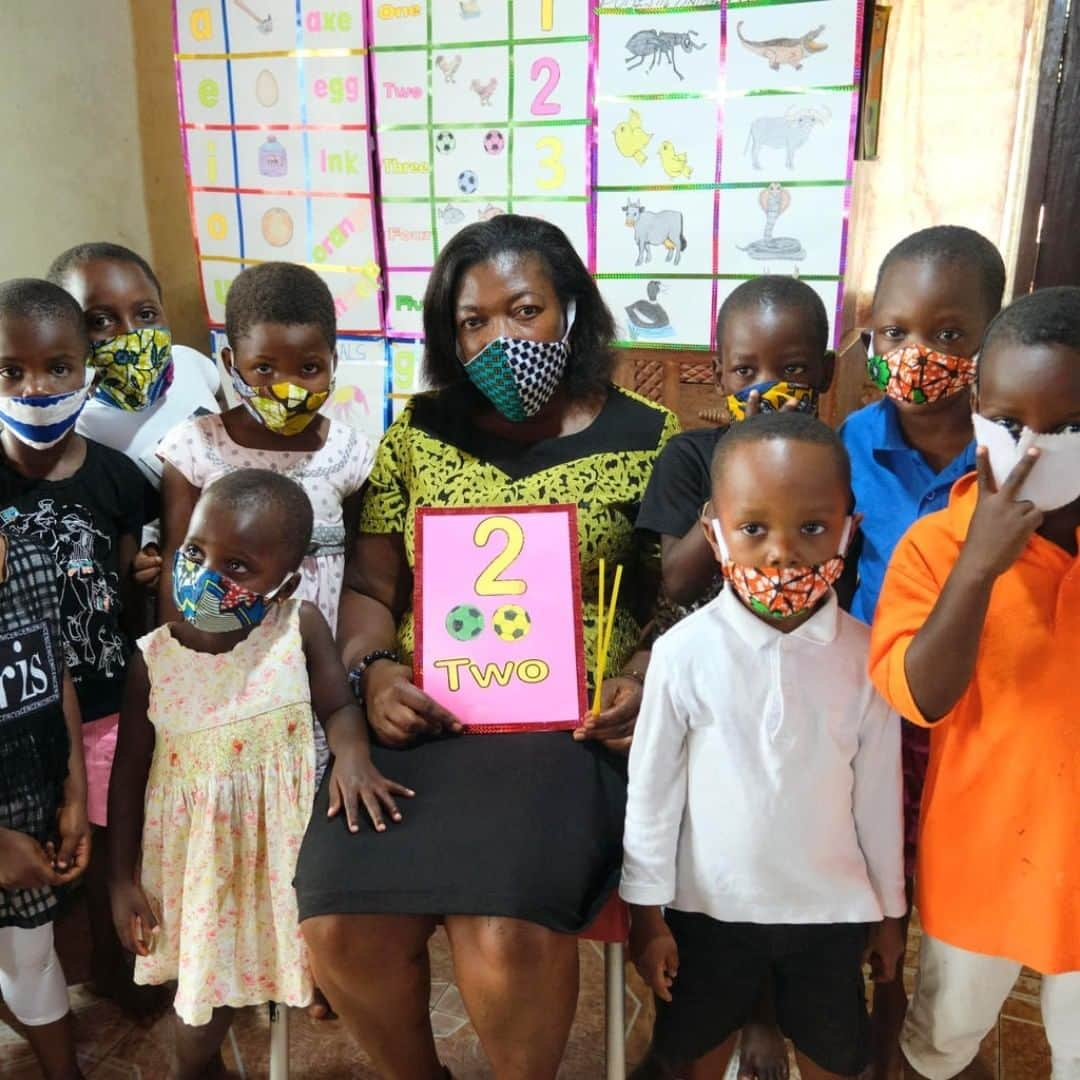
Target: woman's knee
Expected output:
[348,941]
[510,944]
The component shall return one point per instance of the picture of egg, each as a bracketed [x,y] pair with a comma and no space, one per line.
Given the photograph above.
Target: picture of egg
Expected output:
[266,89]
[277,226]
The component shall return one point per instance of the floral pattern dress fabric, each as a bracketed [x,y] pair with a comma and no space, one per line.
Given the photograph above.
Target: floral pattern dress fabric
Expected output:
[227,801]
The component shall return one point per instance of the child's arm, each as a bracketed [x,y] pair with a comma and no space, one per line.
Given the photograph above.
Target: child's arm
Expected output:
[72,823]
[940,661]
[354,778]
[133,608]
[135,922]
[689,565]
[178,499]
[653,949]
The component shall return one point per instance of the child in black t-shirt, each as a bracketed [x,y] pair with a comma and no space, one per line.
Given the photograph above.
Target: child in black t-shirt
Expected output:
[84,504]
[772,334]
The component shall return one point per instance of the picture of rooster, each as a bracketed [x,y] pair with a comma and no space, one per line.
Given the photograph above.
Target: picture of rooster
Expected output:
[485,91]
[448,65]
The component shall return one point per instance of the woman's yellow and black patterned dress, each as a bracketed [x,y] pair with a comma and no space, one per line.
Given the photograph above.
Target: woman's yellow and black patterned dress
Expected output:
[527,826]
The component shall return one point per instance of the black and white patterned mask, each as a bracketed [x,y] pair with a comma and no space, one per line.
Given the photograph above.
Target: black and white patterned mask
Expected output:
[519,376]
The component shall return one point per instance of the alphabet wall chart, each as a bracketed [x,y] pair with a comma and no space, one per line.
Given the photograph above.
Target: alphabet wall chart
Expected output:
[684,148]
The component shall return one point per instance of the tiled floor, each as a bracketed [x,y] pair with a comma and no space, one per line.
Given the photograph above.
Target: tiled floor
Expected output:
[111,1046]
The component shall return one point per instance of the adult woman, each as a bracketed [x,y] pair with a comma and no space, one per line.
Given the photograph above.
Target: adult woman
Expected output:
[514,840]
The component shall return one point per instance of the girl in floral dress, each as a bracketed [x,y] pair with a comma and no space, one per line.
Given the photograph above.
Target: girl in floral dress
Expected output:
[217,762]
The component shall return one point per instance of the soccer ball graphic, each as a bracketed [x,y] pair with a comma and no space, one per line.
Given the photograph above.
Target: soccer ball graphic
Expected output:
[511,622]
[445,142]
[494,141]
[465,622]
[467,182]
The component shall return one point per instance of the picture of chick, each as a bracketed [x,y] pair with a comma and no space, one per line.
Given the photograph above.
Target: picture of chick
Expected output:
[674,163]
[631,138]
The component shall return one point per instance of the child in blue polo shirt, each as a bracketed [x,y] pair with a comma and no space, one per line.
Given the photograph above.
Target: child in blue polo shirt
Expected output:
[936,292]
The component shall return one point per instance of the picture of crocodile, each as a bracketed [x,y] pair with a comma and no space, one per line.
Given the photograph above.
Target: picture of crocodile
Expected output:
[785,50]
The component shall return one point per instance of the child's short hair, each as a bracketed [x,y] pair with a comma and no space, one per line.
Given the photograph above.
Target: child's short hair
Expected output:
[81,254]
[783,427]
[953,244]
[1045,317]
[285,499]
[279,292]
[33,298]
[772,291]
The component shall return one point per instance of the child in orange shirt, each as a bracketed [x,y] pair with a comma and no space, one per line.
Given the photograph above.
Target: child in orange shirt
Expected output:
[976,637]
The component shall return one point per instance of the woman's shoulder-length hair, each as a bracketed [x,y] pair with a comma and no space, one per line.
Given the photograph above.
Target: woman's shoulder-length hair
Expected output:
[591,359]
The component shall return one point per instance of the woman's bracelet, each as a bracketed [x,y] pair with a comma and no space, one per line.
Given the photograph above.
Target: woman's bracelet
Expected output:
[356,675]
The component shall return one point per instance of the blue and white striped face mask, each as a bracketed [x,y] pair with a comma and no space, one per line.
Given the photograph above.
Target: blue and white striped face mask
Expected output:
[41,422]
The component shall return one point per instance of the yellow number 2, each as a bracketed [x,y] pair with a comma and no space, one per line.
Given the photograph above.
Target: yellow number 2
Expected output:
[552,161]
[489,583]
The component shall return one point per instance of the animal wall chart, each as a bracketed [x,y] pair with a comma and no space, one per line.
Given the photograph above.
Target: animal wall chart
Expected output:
[273,98]
[724,146]
[481,107]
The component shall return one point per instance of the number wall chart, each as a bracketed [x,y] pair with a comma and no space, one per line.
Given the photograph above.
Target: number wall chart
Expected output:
[498,616]
[684,148]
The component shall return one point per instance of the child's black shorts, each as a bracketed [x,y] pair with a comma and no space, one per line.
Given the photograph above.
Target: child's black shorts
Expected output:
[817,979]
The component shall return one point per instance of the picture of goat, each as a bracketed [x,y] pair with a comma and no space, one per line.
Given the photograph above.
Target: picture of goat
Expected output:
[787,132]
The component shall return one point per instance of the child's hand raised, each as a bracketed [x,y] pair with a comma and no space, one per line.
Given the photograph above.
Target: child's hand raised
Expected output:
[653,950]
[135,922]
[1002,524]
[355,780]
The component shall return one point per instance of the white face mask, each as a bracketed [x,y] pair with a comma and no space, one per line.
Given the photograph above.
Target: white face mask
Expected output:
[1054,480]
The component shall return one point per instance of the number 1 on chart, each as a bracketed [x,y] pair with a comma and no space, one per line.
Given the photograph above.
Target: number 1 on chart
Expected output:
[547,14]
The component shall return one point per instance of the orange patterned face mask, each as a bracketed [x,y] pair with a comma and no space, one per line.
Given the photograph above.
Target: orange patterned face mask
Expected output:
[916,374]
[782,592]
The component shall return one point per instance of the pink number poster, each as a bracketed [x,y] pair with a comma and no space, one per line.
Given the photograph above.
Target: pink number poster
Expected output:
[498,616]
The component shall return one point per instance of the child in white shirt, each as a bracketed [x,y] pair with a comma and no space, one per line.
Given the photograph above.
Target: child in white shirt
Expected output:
[764,809]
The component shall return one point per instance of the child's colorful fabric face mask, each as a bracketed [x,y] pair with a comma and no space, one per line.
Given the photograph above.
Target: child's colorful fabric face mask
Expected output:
[41,422]
[916,374]
[774,396]
[284,407]
[1054,480]
[781,592]
[519,376]
[211,602]
[137,368]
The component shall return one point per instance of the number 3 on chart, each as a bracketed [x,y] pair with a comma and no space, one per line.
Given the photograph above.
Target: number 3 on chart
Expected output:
[489,583]
[552,161]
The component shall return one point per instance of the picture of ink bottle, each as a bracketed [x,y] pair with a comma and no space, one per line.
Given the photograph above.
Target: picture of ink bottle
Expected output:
[273,161]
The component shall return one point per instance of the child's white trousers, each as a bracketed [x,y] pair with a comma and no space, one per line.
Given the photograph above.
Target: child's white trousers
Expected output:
[958,995]
[31,979]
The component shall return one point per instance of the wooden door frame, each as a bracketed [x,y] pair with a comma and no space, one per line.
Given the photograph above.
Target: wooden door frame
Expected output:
[1048,253]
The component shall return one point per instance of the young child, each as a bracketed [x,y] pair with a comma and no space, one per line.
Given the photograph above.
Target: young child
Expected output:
[44,834]
[976,636]
[216,765]
[772,334]
[147,385]
[936,292]
[764,801]
[282,330]
[85,504]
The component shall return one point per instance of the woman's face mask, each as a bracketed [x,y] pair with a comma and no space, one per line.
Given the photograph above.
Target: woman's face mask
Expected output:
[917,375]
[211,602]
[137,368]
[41,422]
[773,396]
[782,592]
[1054,480]
[519,376]
[283,408]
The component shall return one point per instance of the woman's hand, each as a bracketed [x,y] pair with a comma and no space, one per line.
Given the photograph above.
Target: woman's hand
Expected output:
[135,922]
[400,713]
[613,726]
[355,780]
[74,855]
